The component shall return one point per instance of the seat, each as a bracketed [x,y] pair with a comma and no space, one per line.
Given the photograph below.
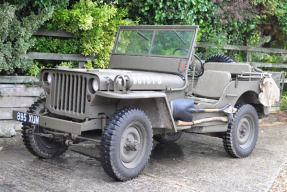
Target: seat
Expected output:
[212,84]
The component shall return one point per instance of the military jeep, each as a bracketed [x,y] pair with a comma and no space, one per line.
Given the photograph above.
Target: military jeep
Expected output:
[155,88]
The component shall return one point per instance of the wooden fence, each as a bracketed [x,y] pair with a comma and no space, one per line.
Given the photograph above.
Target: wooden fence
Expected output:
[81,59]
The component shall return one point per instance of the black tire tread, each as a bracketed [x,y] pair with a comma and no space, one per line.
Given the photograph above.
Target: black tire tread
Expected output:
[107,143]
[220,58]
[228,135]
[29,141]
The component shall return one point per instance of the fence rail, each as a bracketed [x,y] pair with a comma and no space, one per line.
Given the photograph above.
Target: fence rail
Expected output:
[243,48]
[54,33]
[58,56]
[81,59]
[274,65]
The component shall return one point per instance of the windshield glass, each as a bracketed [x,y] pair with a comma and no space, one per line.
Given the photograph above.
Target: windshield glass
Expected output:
[155,42]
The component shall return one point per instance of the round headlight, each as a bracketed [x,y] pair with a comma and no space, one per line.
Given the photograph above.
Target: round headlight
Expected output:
[95,85]
[49,78]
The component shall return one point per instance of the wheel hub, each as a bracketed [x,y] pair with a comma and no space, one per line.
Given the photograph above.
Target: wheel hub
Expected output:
[245,131]
[131,144]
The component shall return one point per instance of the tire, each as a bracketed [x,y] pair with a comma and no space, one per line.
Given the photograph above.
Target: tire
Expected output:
[168,138]
[41,146]
[241,136]
[126,144]
[220,58]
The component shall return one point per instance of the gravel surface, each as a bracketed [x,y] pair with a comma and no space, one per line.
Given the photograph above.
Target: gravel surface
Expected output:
[194,163]
[280,184]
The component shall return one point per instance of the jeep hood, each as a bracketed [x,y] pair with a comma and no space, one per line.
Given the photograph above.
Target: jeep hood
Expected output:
[141,80]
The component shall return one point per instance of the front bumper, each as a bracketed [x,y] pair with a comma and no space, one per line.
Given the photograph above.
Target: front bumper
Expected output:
[66,125]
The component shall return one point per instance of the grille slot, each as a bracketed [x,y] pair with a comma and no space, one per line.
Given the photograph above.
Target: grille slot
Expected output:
[68,93]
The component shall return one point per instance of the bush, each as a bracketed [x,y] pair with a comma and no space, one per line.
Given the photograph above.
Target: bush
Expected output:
[56,45]
[94,25]
[284,101]
[16,33]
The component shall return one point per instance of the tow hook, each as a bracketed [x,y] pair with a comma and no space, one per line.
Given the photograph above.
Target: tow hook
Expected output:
[69,142]
[29,131]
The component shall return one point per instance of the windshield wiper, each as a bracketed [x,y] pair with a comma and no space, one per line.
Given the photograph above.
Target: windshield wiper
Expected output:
[179,36]
[141,34]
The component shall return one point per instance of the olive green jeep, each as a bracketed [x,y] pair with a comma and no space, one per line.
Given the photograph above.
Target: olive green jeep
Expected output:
[155,88]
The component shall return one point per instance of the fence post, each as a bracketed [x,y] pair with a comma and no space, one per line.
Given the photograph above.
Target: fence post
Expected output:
[248,57]
[81,64]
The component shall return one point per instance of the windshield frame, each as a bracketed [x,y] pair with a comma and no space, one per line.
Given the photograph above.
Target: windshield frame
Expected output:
[155,28]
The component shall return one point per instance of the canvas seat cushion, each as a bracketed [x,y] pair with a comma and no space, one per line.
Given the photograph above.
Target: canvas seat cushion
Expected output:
[212,84]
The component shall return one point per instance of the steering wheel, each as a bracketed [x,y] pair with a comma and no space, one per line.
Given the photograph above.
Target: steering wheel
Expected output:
[179,49]
[197,73]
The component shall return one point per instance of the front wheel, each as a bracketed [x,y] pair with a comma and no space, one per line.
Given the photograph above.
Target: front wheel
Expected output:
[241,136]
[42,147]
[126,144]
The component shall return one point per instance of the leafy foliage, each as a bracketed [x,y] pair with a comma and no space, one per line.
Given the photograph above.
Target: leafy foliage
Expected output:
[239,10]
[69,64]
[94,24]
[273,21]
[15,35]
[284,101]
[55,45]
[46,4]
[258,23]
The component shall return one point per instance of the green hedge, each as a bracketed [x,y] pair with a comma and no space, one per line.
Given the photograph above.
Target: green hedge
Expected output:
[94,23]
[17,28]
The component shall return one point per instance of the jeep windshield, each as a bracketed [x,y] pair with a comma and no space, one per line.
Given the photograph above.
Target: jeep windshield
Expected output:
[169,42]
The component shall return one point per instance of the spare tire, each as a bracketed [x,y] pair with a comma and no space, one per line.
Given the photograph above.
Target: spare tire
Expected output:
[220,58]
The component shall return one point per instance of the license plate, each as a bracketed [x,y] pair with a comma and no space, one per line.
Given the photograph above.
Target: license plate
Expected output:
[28,118]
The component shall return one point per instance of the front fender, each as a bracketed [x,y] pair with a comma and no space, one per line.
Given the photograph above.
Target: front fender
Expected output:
[154,104]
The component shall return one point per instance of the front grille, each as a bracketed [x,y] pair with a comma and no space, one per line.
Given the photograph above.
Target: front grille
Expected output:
[68,92]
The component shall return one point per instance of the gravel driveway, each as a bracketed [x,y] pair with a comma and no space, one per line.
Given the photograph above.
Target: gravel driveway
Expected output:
[194,163]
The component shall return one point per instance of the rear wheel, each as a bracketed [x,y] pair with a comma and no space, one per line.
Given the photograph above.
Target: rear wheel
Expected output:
[220,58]
[168,138]
[126,144]
[241,136]
[41,146]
